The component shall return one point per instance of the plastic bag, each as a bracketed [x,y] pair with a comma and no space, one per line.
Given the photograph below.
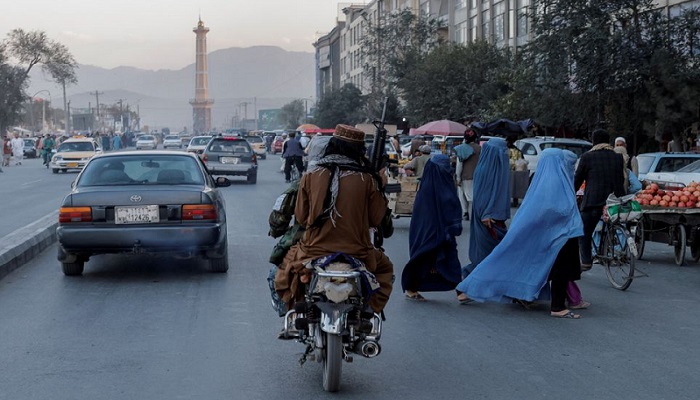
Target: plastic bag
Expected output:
[623,208]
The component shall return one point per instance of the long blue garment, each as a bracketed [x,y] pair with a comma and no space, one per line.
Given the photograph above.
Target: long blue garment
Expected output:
[518,268]
[491,200]
[436,221]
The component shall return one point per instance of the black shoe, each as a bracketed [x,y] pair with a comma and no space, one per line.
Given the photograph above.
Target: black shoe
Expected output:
[466,216]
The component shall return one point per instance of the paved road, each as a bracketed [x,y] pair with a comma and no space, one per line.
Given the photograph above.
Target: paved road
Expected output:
[149,328]
[29,192]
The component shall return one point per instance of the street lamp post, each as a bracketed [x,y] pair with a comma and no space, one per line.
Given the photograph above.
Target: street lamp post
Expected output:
[43,107]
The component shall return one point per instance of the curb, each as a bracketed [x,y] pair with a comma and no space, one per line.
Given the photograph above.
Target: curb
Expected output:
[26,243]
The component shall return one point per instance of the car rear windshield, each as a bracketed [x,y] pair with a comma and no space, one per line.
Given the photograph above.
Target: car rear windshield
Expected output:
[673,164]
[76,146]
[146,137]
[692,167]
[141,170]
[254,139]
[576,148]
[229,146]
[172,138]
[200,141]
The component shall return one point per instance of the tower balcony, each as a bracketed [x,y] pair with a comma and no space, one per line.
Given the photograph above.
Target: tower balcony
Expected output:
[201,102]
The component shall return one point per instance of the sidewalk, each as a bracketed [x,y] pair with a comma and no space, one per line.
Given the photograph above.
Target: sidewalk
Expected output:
[26,243]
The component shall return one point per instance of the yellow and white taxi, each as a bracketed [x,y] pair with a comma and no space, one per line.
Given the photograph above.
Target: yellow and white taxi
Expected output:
[74,153]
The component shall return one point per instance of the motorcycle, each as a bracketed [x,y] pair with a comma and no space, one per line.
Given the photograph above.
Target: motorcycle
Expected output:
[334,320]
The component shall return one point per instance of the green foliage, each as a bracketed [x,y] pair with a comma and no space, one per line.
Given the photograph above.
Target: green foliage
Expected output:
[454,81]
[342,106]
[19,53]
[293,113]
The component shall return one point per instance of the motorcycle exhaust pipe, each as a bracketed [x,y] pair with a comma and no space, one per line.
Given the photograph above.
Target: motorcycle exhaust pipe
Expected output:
[368,348]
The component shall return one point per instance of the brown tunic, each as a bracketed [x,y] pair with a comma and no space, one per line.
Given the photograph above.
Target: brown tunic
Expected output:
[360,206]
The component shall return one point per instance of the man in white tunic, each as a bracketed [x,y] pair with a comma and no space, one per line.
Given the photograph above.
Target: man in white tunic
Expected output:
[17,149]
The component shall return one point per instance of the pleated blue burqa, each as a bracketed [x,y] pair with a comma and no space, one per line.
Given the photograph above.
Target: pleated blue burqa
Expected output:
[519,267]
[436,221]
[491,200]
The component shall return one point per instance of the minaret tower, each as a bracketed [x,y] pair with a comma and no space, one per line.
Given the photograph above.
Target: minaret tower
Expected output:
[201,104]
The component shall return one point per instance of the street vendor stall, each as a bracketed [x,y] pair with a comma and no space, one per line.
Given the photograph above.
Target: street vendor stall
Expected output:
[672,217]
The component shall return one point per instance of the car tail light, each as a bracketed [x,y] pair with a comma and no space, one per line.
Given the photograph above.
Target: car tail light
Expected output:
[198,212]
[74,214]
[205,158]
[254,159]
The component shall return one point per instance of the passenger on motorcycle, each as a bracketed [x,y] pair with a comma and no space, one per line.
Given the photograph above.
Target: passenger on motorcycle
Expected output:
[343,183]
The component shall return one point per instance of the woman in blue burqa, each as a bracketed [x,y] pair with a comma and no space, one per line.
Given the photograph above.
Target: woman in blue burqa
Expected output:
[436,221]
[541,244]
[491,205]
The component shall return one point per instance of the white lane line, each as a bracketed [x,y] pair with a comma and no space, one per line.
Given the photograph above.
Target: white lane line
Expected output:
[31,182]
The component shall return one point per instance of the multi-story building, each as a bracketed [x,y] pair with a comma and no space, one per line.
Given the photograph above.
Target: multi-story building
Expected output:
[501,22]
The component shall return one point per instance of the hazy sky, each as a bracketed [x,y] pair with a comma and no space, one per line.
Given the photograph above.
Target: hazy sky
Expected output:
[157,34]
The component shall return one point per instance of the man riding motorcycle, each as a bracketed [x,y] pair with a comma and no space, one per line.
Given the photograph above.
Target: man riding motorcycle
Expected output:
[338,201]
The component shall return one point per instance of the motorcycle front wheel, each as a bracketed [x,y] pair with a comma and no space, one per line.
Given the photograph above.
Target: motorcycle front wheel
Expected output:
[332,362]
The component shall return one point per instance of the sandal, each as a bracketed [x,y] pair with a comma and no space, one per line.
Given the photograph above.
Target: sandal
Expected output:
[568,314]
[415,296]
[528,305]
[582,305]
[463,299]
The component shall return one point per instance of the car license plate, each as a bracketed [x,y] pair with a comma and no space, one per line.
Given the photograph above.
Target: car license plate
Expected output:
[136,215]
[72,165]
[230,160]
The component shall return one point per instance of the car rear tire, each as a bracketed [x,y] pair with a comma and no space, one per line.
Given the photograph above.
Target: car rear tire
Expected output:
[252,179]
[73,269]
[219,265]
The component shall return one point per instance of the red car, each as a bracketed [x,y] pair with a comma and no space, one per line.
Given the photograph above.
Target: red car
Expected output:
[277,144]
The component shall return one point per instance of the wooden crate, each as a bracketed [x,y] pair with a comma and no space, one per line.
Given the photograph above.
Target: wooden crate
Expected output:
[404,203]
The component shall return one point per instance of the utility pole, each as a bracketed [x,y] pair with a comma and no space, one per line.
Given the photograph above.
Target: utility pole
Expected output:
[97,100]
[255,104]
[121,114]
[65,109]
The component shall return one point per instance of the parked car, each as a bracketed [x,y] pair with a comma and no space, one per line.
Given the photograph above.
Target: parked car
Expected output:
[30,150]
[678,179]
[128,202]
[663,162]
[74,153]
[172,141]
[258,145]
[231,155]
[277,145]
[198,143]
[532,148]
[146,142]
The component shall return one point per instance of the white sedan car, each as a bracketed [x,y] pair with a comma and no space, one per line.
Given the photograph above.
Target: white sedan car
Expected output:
[678,179]
[172,141]
[146,142]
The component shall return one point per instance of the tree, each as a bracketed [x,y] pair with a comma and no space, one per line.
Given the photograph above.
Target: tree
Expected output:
[12,86]
[454,81]
[341,106]
[29,49]
[391,46]
[293,113]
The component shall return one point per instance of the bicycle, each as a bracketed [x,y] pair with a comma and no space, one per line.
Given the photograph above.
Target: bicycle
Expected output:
[616,249]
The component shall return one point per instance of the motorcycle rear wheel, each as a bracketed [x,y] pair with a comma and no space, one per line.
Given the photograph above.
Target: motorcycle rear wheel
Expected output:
[332,362]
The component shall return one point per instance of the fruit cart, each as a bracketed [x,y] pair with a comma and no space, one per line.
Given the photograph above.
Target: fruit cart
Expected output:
[678,227]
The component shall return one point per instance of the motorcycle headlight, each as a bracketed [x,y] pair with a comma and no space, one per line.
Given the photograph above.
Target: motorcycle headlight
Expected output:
[337,292]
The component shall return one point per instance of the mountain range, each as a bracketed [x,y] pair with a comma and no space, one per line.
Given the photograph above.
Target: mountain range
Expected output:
[241,81]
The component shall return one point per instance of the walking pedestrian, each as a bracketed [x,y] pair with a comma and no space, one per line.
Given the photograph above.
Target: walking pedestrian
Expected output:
[540,246]
[17,149]
[6,151]
[467,158]
[491,206]
[434,264]
[602,170]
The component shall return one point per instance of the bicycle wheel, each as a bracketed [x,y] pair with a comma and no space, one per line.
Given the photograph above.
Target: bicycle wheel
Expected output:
[637,229]
[620,265]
